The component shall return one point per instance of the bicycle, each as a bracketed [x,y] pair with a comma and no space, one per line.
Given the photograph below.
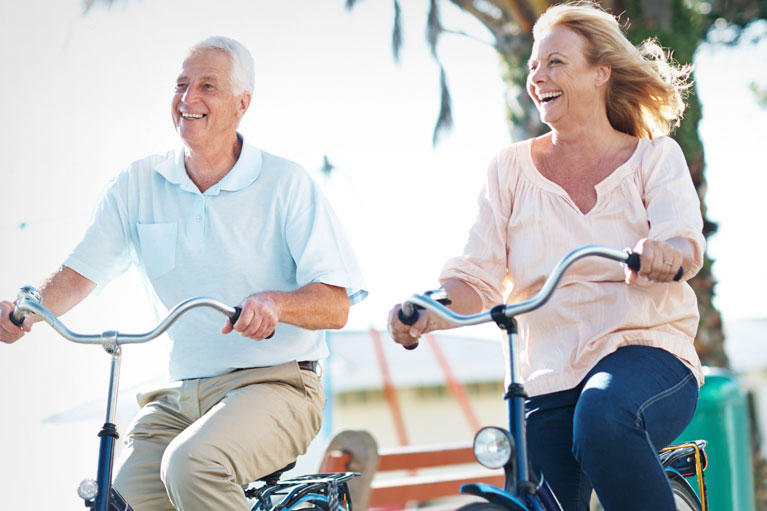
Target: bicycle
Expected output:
[318,492]
[497,448]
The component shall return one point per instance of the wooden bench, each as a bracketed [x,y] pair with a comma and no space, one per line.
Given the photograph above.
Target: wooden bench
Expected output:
[393,478]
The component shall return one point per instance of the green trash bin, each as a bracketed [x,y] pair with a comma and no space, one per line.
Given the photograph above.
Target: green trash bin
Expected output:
[722,419]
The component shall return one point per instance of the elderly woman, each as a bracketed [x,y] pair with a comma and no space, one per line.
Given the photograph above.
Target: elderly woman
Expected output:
[609,363]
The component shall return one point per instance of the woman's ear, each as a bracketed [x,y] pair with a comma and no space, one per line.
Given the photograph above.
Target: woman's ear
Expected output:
[603,75]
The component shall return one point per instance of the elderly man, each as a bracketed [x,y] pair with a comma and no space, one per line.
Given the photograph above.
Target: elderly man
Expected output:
[220,218]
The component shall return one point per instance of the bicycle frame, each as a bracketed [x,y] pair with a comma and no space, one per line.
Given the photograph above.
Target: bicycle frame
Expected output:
[328,490]
[521,492]
[106,498]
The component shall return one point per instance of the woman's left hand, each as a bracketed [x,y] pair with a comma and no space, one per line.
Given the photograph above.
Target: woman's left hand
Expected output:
[660,261]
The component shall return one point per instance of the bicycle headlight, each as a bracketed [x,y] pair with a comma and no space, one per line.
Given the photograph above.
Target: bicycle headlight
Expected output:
[493,447]
[88,489]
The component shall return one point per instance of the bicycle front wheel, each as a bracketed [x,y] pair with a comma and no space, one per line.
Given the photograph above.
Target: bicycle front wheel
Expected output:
[684,498]
[487,506]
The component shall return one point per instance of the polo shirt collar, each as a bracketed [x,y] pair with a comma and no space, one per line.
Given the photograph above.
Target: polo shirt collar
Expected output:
[245,171]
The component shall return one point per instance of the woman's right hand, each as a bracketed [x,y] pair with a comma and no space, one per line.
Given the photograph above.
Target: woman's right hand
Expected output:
[408,335]
[10,333]
[464,300]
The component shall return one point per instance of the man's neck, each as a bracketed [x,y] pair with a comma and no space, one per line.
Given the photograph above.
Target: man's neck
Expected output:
[207,165]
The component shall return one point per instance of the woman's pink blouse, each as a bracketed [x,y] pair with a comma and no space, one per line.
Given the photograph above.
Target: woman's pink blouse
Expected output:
[526,223]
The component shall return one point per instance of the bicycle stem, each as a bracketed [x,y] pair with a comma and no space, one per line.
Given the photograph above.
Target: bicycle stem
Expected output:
[114,383]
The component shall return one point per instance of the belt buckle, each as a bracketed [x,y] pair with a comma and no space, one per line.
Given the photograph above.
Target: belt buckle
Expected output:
[308,365]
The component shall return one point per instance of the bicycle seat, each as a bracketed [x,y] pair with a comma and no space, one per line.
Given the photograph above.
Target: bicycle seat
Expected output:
[271,479]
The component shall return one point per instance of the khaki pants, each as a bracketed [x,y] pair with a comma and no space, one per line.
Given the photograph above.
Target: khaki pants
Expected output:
[195,442]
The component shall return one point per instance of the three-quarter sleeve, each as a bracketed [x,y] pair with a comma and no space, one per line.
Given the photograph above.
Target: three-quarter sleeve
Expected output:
[483,265]
[672,203]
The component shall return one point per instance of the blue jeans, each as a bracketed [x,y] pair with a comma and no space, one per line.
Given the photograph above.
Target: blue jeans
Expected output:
[605,433]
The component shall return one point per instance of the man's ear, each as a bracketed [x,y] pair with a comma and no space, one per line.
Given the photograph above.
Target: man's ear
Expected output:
[244,103]
[603,75]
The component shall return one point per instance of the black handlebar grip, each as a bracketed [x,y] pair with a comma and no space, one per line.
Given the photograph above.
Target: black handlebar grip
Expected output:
[409,319]
[633,262]
[16,322]
[234,317]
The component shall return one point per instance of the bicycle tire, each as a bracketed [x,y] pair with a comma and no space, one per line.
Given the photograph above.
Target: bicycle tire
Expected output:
[684,498]
[482,506]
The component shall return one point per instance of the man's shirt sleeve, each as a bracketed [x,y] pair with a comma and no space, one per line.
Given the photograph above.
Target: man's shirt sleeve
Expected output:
[105,251]
[318,243]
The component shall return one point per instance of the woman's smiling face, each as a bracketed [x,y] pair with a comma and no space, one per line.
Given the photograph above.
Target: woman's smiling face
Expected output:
[564,86]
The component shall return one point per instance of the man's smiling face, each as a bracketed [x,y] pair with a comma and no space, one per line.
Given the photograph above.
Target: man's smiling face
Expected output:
[204,107]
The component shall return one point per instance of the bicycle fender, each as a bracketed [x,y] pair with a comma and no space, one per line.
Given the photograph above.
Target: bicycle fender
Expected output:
[494,495]
[673,473]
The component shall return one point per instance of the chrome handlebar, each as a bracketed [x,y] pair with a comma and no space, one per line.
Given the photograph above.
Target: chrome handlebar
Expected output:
[29,301]
[411,306]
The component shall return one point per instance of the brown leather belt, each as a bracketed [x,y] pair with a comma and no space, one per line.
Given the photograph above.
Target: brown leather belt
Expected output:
[308,365]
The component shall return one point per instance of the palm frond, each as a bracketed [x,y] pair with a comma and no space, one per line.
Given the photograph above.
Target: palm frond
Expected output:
[351,3]
[396,33]
[88,4]
[760,94]
[445,119]
[433,26]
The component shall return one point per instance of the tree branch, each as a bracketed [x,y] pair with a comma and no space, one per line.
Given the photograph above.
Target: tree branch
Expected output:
[461,33]
[493,24]
[521,13]
[509,37]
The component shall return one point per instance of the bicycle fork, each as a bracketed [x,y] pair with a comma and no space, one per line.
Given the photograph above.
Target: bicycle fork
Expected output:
[99,494]
[520,492]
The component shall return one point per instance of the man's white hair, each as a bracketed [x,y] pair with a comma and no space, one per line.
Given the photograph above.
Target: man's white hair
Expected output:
[243,74]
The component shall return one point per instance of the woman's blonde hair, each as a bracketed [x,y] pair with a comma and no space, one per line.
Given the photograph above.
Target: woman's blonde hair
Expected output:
[646,91]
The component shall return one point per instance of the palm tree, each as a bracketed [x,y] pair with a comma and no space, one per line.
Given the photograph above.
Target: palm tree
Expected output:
[677,24]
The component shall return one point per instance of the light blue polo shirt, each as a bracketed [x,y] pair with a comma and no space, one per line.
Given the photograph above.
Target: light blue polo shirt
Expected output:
[264,226]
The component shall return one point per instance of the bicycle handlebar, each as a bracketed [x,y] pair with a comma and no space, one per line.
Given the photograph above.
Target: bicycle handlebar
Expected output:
[29,301]
[410,309]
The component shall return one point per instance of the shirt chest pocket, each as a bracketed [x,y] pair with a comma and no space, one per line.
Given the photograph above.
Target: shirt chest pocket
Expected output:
[158,247]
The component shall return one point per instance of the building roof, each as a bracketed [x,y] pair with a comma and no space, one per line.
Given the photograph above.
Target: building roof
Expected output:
[354,364]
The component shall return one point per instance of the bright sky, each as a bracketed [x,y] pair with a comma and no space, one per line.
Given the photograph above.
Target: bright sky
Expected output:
[86,96]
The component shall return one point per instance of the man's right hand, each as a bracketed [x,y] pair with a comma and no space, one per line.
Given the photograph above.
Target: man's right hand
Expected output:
[9,332]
